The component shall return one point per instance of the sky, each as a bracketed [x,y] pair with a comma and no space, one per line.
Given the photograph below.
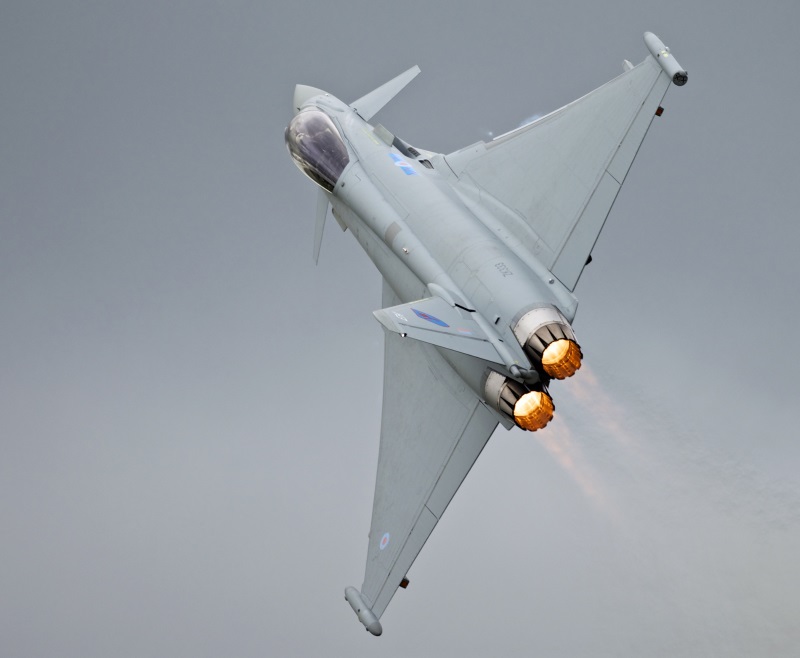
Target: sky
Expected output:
[190,409]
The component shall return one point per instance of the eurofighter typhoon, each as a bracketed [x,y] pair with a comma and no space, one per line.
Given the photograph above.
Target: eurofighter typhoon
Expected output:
[480,251]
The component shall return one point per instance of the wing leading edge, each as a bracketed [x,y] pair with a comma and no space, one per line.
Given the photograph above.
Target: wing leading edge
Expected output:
[433,428]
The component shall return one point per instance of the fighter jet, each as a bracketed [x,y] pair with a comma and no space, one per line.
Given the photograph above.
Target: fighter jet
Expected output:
[480,252]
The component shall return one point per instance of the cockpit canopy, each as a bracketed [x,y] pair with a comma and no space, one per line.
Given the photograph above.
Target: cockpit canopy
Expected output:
[316,147]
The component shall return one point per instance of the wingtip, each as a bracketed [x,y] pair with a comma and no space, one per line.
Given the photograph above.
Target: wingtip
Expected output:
[665,59]
[360,606]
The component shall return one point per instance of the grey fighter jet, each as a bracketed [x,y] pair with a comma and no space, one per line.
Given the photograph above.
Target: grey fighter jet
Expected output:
[480,251]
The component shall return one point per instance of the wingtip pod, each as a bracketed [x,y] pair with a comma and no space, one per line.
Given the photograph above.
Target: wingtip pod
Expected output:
[364,612]
[665,60]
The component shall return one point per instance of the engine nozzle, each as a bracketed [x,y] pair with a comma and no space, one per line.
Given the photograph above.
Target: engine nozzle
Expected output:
[548,339]
[561,358]
[530,407]
[533,410]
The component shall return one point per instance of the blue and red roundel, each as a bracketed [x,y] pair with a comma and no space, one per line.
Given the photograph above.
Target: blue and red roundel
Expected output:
[430,318]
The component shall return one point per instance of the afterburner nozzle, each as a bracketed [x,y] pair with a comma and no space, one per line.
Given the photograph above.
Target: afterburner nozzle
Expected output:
[562,358]
[533,410]
[547,338]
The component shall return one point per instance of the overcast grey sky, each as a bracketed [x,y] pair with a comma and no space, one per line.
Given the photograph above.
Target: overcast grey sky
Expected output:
[189,409]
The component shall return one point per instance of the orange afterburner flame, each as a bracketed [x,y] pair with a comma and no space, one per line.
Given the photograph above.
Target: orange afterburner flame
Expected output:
[562,358]
[533,411]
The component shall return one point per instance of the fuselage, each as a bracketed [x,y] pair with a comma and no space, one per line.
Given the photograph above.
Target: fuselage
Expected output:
[419,207]
[427,238]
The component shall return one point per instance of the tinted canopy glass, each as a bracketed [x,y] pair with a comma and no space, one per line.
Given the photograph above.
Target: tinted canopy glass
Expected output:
[317,147]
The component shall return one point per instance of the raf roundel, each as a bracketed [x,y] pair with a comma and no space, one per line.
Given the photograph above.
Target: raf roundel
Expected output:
[406,168]
[430,318]
[384,541]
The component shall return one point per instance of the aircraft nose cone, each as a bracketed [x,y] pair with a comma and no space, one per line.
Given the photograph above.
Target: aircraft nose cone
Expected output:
[301,94]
